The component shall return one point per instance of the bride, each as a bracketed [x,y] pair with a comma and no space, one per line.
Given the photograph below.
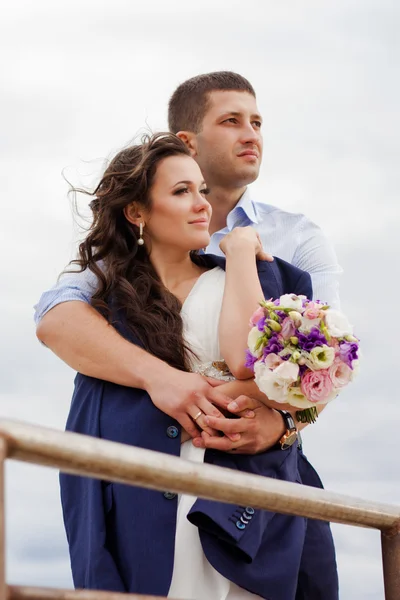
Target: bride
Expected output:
[150,219]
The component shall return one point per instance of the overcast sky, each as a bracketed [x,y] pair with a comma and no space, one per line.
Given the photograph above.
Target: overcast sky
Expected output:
[80,79]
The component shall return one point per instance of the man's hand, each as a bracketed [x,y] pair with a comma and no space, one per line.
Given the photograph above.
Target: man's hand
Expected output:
[258,426]
[189,398]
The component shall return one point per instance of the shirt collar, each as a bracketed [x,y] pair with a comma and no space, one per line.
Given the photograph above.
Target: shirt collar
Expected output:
[246,205]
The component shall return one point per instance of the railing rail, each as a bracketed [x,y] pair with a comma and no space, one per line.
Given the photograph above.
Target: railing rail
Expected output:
[83,455]
[16,592]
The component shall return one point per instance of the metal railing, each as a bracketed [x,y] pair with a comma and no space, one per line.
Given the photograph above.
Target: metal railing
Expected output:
[83,455]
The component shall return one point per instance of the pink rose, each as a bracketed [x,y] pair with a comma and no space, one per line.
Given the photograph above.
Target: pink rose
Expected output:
[259,314]
[288,328]
[317,386]
[312,311]
[340,373]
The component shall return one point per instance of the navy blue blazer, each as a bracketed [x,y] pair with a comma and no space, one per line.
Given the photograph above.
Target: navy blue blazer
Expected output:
[121,537]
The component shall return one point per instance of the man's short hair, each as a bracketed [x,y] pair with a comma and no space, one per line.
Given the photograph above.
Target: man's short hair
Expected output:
[189,103]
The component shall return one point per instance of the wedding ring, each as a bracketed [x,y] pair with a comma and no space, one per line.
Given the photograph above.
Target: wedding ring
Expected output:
[197,416]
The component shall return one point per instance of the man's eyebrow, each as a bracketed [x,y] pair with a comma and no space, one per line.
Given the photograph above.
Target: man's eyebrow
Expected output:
[233,113]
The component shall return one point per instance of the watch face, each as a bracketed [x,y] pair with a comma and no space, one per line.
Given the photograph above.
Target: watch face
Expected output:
[289,440]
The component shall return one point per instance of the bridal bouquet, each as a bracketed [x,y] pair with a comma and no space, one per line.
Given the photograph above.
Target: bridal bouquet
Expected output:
[302,352]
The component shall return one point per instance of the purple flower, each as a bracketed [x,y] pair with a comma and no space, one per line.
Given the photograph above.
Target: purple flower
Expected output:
[250,360]
[274,345]
[281,314]
[302,370]
[308,341]
[348,352]
[261,324]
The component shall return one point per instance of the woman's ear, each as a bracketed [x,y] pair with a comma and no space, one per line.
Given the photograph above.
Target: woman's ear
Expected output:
[133,214]
[189,138]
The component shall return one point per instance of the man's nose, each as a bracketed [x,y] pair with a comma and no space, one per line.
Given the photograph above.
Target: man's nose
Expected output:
[251,135]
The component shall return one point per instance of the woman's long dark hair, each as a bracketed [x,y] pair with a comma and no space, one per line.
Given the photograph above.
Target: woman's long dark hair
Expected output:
[128,283]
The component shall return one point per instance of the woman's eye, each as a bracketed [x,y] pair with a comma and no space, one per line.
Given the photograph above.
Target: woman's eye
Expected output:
[205,191]
[181,191]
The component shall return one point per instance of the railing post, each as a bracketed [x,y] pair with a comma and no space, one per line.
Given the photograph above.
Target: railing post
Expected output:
[391,562]
[3,456]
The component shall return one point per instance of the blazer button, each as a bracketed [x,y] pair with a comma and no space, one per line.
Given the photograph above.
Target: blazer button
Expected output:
[169,495]
[245,519]
[250,510]
[240,525]
[172,431]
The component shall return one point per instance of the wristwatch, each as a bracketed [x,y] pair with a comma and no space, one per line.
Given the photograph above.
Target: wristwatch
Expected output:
[290,435]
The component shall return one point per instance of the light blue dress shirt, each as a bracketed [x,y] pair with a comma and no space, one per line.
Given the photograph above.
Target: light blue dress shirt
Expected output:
[290,236]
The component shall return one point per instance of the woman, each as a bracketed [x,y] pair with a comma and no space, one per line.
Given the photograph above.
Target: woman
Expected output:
[150,215]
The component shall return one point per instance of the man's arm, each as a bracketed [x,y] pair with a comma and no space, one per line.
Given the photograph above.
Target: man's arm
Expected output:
[85,341]
[82,338]
[316,255]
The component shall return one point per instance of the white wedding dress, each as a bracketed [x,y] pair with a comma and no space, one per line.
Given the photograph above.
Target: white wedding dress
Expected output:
[193,576]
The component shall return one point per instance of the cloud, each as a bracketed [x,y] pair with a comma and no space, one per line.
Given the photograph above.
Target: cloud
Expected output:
[79,80]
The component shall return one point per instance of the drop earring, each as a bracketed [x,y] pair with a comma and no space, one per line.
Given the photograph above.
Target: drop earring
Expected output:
[141,240]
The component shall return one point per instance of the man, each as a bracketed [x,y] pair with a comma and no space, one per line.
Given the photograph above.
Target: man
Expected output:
[216,115]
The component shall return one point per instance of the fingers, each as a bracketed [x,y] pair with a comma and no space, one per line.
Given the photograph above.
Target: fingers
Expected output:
[189,426]
[211,412]
[261,255]
[223,444]
[246,414]
[185,436]
[208,409]
[198,416]
[233,428]
[218,398]
[214,382]
[243,403]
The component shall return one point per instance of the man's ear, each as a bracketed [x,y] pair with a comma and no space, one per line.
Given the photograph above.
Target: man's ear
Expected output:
[134,214]
[190,140]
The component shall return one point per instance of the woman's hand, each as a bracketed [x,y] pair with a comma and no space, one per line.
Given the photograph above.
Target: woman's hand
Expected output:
[258,427]
[244,239]
[188,398]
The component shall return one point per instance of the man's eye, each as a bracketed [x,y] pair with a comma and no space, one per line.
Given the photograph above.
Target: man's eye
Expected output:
[181,191]
[231,120]
[257,124]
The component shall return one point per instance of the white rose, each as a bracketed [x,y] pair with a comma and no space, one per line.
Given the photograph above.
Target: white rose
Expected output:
[291,301]
[287,371]
[296,398]
[296,317]
[269,384]
[308,324]
[320,357]
[337,324]
[252,341]
[356,367]
[275,384]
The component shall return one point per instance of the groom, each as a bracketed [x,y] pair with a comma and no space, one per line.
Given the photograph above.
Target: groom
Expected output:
[216,115]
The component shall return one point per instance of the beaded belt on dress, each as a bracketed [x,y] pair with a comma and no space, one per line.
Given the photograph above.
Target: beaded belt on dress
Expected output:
[218,369]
